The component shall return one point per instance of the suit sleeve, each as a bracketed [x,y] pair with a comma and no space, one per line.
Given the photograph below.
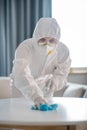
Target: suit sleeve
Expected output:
[21,73]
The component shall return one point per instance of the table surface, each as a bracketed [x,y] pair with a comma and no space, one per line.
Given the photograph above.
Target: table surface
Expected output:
[17,111]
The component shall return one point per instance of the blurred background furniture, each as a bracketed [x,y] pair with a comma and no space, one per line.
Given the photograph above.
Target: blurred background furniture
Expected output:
[70,90]
[5,87]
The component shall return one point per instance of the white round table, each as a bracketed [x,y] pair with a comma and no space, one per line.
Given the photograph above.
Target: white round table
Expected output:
[17,113]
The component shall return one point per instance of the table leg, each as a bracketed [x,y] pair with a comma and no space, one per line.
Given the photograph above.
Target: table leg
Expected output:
[71,127]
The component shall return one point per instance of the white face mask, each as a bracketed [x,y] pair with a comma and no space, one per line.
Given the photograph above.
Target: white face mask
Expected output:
[47,45]
[50,49]
[47,49]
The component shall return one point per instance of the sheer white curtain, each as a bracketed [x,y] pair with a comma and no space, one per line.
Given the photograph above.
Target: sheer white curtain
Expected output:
[72,18]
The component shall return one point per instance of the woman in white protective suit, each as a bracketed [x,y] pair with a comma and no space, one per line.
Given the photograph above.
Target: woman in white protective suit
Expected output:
[41,63]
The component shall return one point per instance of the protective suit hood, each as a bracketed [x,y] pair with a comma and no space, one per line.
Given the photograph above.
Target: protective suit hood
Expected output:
[47,27]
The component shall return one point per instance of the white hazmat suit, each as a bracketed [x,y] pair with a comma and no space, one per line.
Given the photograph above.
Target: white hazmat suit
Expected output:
[35,73]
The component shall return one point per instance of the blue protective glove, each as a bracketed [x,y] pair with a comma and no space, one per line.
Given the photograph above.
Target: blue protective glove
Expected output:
[45,107]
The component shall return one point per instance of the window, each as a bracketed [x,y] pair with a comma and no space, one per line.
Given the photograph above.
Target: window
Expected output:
[72,18]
